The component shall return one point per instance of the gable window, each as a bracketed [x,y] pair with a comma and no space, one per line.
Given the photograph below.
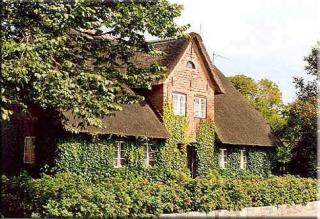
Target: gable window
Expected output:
[191,65]
[243,159]
[119,151]
[223,158]
[200,107]
[150,154]
[29,150]
[179,104]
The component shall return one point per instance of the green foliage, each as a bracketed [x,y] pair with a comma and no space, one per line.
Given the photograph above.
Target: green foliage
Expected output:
[210,194]
[13,198]
[78,55]
[299,135]
[66,195]
[205,148]
[85,158]
[259,163]
[171,157]
[264,96]
[92,159]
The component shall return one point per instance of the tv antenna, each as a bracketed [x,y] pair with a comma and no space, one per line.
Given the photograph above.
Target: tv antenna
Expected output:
[214,54]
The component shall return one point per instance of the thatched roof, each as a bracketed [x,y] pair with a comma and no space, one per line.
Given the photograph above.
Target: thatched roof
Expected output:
[172,51]
[236,121]
[134,120]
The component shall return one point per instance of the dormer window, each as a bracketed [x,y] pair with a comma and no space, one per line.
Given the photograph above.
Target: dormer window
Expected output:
[191,65]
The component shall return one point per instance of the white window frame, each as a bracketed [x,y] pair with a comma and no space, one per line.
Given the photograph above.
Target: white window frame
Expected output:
[179,103]
[199,111]
[147,152]
[243,159]
[29,150]
[223,158]
[119,147]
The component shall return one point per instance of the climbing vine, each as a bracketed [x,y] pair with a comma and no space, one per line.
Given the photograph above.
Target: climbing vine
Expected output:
[173,154]
[85,158]
[259,162]
[93,157]
[205,148]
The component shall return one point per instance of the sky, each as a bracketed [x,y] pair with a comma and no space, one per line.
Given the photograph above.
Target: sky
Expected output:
[258,38]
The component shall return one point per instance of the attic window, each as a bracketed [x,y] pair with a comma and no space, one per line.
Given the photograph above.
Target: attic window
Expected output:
[191,65]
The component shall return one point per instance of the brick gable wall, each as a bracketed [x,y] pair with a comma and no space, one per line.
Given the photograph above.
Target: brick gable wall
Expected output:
[191,82]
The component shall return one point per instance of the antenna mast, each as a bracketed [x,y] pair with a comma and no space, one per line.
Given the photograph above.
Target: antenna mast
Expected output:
[213,57]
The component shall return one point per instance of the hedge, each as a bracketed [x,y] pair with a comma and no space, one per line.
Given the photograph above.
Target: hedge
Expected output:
[65,195]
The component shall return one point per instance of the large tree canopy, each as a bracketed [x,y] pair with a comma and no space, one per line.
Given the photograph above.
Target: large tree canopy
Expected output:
[300,132]
[76,55]
[264,96]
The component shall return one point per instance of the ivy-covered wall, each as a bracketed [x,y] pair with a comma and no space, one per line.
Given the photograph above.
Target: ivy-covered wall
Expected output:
[205,148]
[259,161]
[93,157]
[173,155]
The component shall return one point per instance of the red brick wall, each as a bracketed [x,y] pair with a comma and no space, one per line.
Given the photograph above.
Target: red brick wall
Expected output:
[192,82]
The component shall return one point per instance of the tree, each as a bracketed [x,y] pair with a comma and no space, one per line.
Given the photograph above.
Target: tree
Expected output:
[300,132]
[264,96]
[77,55]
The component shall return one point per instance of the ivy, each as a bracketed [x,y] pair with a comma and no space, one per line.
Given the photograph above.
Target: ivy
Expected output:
[85,158]
[171,156]
[92,158]
[205,148]
[259,162]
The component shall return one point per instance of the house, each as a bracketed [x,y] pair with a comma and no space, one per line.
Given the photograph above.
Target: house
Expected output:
[197,90]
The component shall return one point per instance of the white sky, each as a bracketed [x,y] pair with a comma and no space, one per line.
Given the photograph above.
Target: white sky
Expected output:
[260,38]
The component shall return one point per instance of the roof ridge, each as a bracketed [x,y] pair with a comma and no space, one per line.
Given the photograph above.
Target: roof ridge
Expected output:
[162,40]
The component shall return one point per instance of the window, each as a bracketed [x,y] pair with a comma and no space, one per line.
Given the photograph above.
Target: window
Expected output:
[223,158]
[29,149]
[243,159]
[200,107]
[191,65]
[179,104]
[150,154]
[119,151]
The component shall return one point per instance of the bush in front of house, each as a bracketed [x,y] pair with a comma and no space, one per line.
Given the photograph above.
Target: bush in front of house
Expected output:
[66,195]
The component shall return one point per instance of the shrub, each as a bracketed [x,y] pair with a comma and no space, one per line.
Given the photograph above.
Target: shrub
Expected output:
[67,195]
[13,196]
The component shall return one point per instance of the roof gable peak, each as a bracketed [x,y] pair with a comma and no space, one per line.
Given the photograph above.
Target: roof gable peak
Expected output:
[195,37]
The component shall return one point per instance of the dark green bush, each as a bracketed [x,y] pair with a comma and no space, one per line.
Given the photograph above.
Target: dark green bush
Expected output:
[66,195]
